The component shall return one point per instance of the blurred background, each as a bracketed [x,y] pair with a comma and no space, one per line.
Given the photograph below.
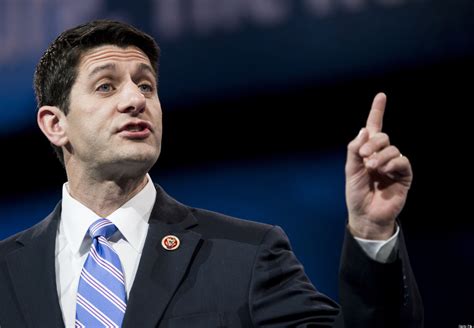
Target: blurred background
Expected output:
[260,99]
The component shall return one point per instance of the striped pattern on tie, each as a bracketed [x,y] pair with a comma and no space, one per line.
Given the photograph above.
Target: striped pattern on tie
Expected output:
[101,297]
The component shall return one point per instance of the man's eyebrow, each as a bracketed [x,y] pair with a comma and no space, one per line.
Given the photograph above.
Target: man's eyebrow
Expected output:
[146,68]
[104,67]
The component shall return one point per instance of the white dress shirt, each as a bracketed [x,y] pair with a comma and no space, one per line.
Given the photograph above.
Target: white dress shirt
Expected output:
[73,242]
[382,251]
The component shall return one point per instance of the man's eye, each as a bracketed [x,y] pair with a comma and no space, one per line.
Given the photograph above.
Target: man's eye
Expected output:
[106,87]
[145,88]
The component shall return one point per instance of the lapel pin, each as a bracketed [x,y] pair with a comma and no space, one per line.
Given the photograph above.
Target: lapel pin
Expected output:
[170,242]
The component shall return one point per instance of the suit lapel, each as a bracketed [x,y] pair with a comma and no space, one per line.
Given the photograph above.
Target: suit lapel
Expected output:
[32,272]
[160,272]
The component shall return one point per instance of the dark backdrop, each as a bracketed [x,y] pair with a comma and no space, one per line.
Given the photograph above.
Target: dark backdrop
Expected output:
[260,99]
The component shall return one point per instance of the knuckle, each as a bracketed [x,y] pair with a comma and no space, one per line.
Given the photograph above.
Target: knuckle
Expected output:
[352,146]
[393,150]
[384,138]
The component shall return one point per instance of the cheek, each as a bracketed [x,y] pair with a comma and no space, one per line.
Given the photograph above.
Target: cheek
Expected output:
[87,127]
[159,125]
[157,115]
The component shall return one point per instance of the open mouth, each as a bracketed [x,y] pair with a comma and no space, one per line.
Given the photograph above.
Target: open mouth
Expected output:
[135,127]
[138,130]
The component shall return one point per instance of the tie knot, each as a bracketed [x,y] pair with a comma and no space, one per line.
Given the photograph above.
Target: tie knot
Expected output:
[102,227]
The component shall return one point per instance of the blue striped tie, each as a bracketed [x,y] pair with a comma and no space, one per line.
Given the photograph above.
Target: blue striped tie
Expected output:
[101,297]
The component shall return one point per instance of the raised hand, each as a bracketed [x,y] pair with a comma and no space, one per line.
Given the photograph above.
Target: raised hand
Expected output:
[378,178]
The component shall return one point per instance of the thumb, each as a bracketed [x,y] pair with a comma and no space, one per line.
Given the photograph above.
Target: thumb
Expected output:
[354,161]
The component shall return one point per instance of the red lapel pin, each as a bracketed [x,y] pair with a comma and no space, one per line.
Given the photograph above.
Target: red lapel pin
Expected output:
[170,242]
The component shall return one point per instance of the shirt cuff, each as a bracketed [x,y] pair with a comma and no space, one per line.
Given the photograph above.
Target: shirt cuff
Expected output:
[383,251]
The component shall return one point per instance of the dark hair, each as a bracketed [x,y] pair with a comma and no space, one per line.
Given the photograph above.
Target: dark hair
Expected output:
[56,71]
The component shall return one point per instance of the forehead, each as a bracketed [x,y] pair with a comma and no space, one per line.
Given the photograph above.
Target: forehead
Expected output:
[110,53]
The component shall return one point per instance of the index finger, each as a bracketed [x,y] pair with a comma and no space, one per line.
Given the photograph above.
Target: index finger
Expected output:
[375,119]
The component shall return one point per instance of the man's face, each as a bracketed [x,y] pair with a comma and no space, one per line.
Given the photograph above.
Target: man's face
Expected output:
[115,118]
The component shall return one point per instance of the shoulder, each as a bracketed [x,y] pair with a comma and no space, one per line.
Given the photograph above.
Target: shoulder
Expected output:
[14,242]
[209,224]
[10,243]
[38,230]
[214,225]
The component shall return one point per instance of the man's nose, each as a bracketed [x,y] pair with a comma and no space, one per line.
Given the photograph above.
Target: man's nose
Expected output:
[132,100]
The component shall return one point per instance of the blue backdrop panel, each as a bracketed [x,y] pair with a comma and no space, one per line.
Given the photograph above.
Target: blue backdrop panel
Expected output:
[220,48]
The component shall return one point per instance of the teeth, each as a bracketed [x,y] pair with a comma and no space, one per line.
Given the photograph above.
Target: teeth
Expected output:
[134,128]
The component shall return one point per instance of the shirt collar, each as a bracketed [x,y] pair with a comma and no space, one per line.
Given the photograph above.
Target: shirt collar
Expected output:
[131,219]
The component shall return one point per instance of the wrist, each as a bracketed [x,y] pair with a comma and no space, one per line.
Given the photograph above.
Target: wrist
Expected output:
[371,230]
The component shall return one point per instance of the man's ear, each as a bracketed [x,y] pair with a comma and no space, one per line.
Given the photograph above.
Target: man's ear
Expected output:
[53,123]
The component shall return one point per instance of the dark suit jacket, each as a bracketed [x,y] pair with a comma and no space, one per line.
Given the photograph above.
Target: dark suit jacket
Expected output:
[226,273]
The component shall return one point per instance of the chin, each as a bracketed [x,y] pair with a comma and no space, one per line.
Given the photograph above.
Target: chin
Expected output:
[131,168]
[140,153]
[146,160]
[135,158]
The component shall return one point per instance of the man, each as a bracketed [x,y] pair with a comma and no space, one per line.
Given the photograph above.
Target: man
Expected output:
[163,263]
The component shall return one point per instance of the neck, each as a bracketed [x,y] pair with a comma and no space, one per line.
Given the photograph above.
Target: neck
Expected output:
[104,196]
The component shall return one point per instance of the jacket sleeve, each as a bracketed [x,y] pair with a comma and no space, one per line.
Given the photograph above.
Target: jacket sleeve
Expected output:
[280,293]
[374,294]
